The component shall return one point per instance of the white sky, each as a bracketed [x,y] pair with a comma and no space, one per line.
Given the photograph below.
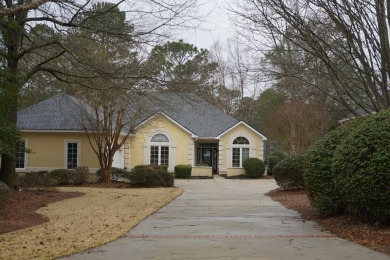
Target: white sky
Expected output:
[215,27]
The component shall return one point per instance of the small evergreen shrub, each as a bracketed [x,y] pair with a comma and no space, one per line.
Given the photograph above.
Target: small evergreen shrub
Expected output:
[288,173]
[79,175]
[146,176]
[37,181]
[273,158]
[318,173]
[271,162]
[4,188]
[61,176]
[254,167]
[116,173]
[361,169]
[183,171]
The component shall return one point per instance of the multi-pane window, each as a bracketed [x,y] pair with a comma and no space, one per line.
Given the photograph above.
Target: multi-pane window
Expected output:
[160,138]
[240,151]
[21,156]
[72,155]
[154,155]
[240,140]
[159,151]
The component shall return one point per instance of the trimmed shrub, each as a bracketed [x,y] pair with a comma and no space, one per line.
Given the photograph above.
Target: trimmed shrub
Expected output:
[318,170]
[79,175]
[37,181]
[254,167]
[271,162]
[183,171]
[4,188]
[116,173]
[146,176]
[75,176]
[288,173]
[273,158]
[361,169]
[61,176]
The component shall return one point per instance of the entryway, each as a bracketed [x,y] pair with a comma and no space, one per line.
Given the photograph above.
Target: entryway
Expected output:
[207,154]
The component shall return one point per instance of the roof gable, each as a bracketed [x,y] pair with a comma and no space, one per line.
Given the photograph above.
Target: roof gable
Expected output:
[248,126]
[168,118]
[192,112]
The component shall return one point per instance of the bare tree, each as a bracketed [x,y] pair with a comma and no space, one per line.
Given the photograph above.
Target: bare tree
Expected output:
[297,124]
[23,56]
[349,38]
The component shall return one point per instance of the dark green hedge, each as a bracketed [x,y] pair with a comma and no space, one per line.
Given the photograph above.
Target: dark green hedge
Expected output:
[183,171]
[318,173]
[147,176]
[361,169]
[254,167]
[288,173]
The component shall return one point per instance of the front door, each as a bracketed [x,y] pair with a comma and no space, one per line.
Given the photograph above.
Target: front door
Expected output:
[209,156]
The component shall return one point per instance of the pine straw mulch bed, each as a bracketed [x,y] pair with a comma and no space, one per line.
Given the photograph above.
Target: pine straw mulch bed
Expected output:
[344,226]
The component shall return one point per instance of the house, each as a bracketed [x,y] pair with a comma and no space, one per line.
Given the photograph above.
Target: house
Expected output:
[360,112]
[174,129]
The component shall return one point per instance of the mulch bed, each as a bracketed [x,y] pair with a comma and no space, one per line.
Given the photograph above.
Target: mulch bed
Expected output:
[344,226]
[18,208]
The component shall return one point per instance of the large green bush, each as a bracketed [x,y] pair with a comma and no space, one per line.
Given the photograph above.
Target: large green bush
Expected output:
[147,176]
[254,167]
[318,170]
[361,169]
[183,171]
[288,173]
[116,173]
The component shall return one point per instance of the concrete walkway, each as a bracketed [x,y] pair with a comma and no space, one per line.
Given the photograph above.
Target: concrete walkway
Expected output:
[228,219]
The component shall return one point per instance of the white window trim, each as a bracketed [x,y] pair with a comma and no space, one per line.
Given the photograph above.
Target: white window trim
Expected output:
[170,144]
[251,146]
[66,142]
[25,156]
[240,166]
[159,153]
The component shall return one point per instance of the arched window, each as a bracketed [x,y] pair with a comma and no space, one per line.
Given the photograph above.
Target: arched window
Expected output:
[160,138]
[159,150]
[240,140]
[240,151]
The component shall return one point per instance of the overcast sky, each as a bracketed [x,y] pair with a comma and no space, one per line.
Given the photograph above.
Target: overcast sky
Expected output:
[215,27]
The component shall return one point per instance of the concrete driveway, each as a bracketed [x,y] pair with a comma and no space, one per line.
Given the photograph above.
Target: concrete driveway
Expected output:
[228,219]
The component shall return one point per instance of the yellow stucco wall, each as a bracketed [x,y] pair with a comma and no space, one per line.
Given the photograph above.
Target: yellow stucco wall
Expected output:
[202,171]
[225,148]
[181,143]
[48,151]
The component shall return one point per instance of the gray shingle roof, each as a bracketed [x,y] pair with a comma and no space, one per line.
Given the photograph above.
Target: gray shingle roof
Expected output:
[62,112]
[192,112]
